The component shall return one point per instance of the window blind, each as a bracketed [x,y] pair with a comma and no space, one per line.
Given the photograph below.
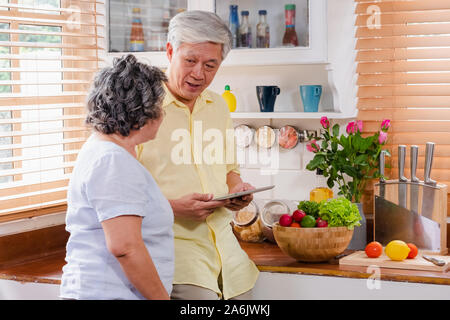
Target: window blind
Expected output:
[49,52]
[403,67]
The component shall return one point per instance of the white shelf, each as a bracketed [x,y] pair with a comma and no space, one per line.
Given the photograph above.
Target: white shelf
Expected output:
[290,115]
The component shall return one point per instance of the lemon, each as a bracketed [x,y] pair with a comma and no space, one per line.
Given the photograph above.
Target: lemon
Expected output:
[397,250]
[229,98]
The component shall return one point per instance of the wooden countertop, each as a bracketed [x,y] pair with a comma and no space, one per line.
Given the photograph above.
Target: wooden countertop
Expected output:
[267,256]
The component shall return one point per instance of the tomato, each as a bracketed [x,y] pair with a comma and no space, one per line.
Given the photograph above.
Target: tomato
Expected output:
[413,252]
[374,249]
[295,225]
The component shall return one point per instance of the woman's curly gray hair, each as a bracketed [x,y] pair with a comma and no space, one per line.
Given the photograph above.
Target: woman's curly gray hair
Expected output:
[125,96]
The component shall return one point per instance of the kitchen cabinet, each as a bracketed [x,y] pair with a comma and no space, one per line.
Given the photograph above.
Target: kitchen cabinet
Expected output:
[310,26]
[312,29]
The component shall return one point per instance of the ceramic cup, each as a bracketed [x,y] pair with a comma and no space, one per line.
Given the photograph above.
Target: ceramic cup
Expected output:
[266,97]
[310,97]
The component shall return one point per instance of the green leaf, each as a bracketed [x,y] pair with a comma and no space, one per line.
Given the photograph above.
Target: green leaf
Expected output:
[336,130]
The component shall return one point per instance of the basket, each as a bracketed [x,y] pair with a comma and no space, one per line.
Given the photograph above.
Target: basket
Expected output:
[312,244]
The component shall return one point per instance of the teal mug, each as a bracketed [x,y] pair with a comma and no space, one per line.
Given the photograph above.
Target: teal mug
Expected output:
[310,97]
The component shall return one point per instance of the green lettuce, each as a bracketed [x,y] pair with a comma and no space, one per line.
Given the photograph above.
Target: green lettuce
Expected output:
[340,212]
[309,207]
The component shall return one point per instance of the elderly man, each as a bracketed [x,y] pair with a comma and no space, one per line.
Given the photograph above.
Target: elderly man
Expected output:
[190,161]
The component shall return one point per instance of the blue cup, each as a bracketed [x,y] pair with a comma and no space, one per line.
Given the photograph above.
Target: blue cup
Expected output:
[266,97]
[310,97]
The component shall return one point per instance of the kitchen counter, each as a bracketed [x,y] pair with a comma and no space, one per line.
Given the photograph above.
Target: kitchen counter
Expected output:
[267,256]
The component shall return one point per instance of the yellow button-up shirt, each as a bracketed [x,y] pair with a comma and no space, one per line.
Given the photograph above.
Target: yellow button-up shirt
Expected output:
[193,152]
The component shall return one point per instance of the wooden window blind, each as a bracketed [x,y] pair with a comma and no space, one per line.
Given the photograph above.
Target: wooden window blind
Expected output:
[403,66]
[49,52]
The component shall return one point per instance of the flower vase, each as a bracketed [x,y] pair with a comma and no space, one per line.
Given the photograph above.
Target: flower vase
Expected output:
[359,239]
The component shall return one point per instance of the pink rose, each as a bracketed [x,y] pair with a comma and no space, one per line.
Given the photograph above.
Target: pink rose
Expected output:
[382,137]
[359,125]
[325,122]
[385,124]
[351,127]
[313,146]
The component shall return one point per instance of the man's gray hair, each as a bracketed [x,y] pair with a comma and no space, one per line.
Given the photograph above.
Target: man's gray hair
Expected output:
[198,26]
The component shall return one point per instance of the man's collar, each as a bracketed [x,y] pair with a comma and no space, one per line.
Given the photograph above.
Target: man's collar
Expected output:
[170,98]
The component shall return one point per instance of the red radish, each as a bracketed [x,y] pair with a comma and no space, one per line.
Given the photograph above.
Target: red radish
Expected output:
[285,220]
[321,223]
[298,215]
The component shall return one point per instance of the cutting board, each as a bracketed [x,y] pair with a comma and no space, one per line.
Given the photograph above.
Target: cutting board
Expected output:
[359,258]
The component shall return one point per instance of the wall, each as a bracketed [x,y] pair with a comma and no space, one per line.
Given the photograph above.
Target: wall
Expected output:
[292,181]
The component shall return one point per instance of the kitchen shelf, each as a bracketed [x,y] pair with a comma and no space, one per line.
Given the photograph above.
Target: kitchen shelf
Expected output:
[239,57]
[290,115]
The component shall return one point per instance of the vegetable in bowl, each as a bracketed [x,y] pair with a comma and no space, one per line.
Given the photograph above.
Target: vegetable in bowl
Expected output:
[309,207]
[340,212]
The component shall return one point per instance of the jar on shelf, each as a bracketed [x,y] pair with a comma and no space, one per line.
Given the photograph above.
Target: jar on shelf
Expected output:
[288,137]
[265,137]
[244,135]
[246,224]
[271,213]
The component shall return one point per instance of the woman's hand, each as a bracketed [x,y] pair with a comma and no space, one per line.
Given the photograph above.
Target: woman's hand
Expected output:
[196,206]
[237,204]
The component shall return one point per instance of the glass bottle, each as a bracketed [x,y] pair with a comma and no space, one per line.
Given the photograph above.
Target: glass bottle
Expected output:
[137,32]
[245,31]
[290,35]
[262,31]
[233,24]
[321,191]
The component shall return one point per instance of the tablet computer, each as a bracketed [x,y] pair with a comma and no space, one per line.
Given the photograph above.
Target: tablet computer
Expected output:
[243,193]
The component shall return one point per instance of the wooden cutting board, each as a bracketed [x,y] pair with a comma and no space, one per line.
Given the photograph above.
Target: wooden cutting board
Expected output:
[359,258]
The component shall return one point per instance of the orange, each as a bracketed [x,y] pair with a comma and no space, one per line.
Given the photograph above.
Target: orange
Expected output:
[374,249]
[295,225]
[413,252]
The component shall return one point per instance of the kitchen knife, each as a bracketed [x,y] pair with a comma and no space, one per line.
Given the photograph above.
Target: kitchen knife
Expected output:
[429,184]
[436,261]
[382,181]
[401,178]
[414,186]
[394,222]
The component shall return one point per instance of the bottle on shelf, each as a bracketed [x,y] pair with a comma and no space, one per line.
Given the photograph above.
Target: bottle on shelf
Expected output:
[321,191]
[290,35]
[229,98]
[233,24]
[137,42]
[245,31]
[262,31]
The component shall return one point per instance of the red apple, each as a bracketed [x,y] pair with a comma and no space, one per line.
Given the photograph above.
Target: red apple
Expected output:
[285,220]
[298,215]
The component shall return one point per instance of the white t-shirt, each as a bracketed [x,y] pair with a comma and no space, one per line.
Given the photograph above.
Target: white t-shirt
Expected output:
[107,182]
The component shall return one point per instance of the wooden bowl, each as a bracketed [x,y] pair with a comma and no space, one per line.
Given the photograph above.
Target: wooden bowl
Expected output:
[312,244]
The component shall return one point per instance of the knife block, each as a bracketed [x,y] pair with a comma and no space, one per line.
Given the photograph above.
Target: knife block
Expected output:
[410,232]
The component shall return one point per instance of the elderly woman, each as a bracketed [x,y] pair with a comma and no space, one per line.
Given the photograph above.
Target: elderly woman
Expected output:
[120,224]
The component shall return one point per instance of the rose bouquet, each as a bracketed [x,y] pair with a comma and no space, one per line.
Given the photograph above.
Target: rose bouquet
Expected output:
[348,159]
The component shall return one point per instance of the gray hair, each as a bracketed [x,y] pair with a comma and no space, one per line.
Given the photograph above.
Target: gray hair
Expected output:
[198,26]
[125,96]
